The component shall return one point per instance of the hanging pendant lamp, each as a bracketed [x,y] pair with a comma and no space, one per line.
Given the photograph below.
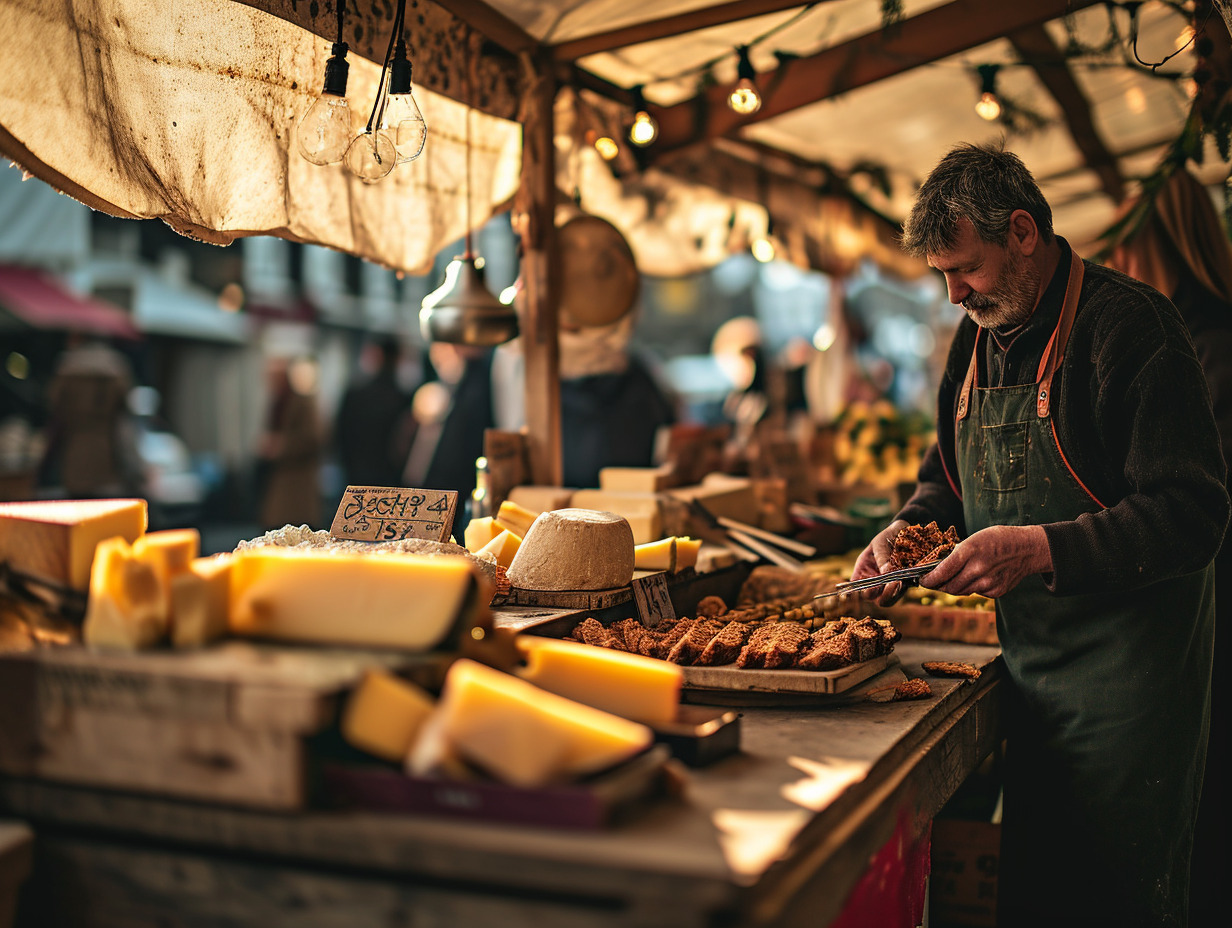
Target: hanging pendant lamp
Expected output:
[462,310]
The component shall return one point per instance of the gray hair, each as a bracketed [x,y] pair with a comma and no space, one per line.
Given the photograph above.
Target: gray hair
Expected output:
[982,183]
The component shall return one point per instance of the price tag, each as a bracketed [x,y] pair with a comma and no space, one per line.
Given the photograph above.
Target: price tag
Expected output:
[654,602]
[394,514]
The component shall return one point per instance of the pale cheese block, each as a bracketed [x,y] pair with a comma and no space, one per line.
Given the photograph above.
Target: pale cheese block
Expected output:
[525,736]
[642,510]
[384,714]
[541,498]
[55,539]
[413,601]
[724,495]
[637,479]
[628,685]
[201,601]
[515,518]
[479,532]
[574,549]
[127,606]
[503,547]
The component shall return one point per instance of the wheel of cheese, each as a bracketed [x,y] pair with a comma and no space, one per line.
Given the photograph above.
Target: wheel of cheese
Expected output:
[574,549]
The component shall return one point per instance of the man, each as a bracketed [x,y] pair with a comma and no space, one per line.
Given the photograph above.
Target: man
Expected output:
[370,429]
[1078,457]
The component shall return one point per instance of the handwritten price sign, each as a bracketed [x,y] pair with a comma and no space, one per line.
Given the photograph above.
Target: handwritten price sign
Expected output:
[653,600]
[394,514]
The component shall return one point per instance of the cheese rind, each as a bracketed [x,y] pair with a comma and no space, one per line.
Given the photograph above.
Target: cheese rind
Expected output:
[384,714]
[201,601]
[127,605]
[55,539]
[503,547]
[628,685]
[527,736]
[574,549]
[418,602]
[479,532]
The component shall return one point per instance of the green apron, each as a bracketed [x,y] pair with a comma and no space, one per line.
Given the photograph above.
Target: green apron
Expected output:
[1108,693]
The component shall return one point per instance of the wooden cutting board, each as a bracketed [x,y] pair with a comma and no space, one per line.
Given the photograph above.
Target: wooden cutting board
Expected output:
[732,679]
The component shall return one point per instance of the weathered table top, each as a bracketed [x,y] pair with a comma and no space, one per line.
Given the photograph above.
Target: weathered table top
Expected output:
[777,834]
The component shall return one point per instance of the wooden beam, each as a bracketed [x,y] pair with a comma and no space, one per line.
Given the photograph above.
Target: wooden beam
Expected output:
[935,34]
[651,30]
[1036,48]
[491,23]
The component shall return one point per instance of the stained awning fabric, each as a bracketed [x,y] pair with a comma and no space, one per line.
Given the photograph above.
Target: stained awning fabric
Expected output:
[38,300]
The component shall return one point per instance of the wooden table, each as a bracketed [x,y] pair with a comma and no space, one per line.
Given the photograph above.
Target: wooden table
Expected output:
[776,835]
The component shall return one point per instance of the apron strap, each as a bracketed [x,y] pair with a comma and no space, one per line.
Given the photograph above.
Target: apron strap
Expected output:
[969,384]
[1054,354]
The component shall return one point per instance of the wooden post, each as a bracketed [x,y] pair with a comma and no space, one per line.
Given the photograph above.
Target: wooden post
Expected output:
[540,273]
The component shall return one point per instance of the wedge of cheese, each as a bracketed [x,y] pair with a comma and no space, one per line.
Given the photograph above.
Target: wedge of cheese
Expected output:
[55,539]
[127,606]
[515,518]
[503,547]
[637,479]
[628,685]
[574,549]
[526,736]
[384,714]
[479,532]
[413,601]
[200,601]
[656,555]
[169,552]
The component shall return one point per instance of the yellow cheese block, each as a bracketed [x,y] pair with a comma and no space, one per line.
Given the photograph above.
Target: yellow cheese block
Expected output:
[170,551]
[201,601]
[515,518]
[413,601]
[479,532]
[526,736]
[628,685]
[503,547]
[637,479]
[656,555]
[384,714]
[686,552]
[127,605]
[55,539]
[642,510]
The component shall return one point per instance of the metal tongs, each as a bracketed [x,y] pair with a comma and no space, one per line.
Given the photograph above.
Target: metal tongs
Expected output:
[909,575]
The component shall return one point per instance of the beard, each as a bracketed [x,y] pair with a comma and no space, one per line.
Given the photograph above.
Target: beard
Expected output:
[1010,301]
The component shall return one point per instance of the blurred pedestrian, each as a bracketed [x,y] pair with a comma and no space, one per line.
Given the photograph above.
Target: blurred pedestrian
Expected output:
[91,439]
[370,429]
[291,446]
[1181,249]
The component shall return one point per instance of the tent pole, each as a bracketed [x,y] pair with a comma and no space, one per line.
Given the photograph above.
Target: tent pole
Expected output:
[540,274]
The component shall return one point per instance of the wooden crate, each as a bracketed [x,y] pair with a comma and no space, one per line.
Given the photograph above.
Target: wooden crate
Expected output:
[228,724]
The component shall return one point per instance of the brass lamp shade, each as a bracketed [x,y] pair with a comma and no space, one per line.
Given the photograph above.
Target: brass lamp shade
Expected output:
[463,311]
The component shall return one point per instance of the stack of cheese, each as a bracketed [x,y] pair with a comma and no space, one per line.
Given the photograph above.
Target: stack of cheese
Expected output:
[571,711]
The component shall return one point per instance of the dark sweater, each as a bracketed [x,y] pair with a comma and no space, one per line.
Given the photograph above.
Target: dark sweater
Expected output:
[1133,417]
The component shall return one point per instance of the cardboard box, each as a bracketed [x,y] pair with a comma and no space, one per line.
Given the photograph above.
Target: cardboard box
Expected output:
[963,883]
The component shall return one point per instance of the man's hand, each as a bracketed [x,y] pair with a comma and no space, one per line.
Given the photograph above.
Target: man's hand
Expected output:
[991,562]
[875,559]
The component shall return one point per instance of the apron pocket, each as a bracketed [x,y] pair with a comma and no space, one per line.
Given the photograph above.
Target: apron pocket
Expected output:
[1003,457]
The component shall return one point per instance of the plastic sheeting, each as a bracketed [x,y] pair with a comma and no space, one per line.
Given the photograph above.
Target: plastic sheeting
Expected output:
[186,112]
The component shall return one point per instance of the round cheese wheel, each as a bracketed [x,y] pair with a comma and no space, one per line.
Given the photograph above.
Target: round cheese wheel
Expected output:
[574,549]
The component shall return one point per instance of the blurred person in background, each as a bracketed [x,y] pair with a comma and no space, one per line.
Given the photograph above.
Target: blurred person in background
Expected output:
[370,429]
[291,446]
[1181,248]
[91,437]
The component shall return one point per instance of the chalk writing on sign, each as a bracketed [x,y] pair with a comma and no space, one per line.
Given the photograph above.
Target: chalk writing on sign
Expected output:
[654,602]
[394,514]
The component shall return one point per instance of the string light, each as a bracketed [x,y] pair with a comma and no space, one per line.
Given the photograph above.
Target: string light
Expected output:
[744,98]
[988,106]
[644,129]
[325,130]
[607,148]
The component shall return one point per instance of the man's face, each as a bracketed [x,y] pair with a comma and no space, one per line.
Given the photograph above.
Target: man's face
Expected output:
[996,284]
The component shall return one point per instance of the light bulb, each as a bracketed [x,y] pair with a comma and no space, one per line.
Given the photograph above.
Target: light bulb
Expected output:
[744,98]
[325,130]
[402,118]
[762,249]
[371,156]
[606,147]
[644,129]
[988,106]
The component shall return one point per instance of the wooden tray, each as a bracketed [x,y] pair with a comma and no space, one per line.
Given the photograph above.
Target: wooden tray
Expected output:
[587,804]
[730,678]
